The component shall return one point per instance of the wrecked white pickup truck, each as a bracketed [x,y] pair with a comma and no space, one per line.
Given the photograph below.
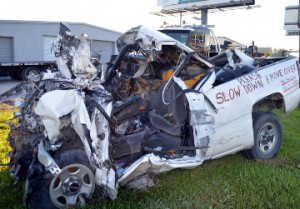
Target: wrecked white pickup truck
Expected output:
[157,106]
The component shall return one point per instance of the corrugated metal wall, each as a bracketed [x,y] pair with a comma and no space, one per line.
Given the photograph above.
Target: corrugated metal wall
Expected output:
[30,40]
[106,48]
[6,49]
[48,54]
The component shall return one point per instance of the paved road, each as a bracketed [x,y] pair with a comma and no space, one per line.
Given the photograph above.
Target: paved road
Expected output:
[7,83]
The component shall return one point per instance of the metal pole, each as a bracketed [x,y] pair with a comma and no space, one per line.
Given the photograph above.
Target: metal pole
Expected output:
[204,16]
[253,45]
[181,18]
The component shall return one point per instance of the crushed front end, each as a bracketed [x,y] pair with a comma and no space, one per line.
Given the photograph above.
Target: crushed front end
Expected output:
[111,127]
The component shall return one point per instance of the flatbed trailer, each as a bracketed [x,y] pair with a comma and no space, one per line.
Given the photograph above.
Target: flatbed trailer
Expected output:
[21,70]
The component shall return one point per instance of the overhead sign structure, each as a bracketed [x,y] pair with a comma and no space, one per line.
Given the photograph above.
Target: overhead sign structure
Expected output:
[292,20]
[193,5]
[174,7]
[167,2]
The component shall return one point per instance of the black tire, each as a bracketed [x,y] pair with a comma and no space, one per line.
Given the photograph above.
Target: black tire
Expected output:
[14,75]
[267,132]
[31,73]
[41,197]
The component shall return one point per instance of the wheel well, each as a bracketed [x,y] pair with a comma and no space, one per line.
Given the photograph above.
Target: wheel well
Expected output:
[70,139]
[271,102]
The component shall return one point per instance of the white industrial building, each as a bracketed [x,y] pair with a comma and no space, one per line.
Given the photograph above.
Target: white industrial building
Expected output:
[31,41]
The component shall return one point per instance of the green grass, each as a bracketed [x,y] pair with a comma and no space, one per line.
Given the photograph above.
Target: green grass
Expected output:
[11,196]
[229,182]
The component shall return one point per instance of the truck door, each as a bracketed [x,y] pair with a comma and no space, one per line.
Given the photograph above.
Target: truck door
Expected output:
[231,108]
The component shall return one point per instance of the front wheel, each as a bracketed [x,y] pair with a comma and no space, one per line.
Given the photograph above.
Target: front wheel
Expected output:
[267,136]
[72,187]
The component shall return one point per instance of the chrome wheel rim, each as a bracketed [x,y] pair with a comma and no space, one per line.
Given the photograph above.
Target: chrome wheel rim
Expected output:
[72,186]
[34,76]
[267,138]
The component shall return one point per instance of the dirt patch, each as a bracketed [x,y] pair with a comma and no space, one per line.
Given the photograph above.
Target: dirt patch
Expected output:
[278,161]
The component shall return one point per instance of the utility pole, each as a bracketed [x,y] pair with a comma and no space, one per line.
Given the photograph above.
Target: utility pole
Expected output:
[181,18]
[253,46]
[204,14]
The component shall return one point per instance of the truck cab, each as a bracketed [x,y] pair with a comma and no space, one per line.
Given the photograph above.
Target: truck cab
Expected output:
[199,38]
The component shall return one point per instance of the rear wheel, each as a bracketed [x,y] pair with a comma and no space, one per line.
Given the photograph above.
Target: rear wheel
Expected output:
[31,74]
[267,136]
[72,187]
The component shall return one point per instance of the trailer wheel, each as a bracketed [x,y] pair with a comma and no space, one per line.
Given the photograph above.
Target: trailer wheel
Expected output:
[31,74]
[15,75]
[267,136]
[71,188]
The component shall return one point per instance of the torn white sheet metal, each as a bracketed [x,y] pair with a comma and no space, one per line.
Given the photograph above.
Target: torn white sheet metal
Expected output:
[69,48]
[45,158]
[107,179]
[155,164]
[244,59]
[62,67]
[201,121]
[100,128]
[146,38]
[82,66]
[149,40]
[55,104]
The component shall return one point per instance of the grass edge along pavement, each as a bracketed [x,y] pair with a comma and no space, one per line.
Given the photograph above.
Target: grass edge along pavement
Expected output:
[228,182]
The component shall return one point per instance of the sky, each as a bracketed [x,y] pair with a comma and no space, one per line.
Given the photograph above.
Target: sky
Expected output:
[262,25]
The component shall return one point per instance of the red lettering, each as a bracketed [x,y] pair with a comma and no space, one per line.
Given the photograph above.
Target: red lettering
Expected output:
[241,80]
[237,91]
[224,95]
[228,96]
[258,75]
[220,98]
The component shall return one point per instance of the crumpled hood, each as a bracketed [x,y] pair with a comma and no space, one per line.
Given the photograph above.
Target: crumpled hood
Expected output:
[145,37]
[152,39]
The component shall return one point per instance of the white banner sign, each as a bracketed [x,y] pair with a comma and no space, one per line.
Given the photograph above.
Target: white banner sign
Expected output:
[167,2]
[177,4]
